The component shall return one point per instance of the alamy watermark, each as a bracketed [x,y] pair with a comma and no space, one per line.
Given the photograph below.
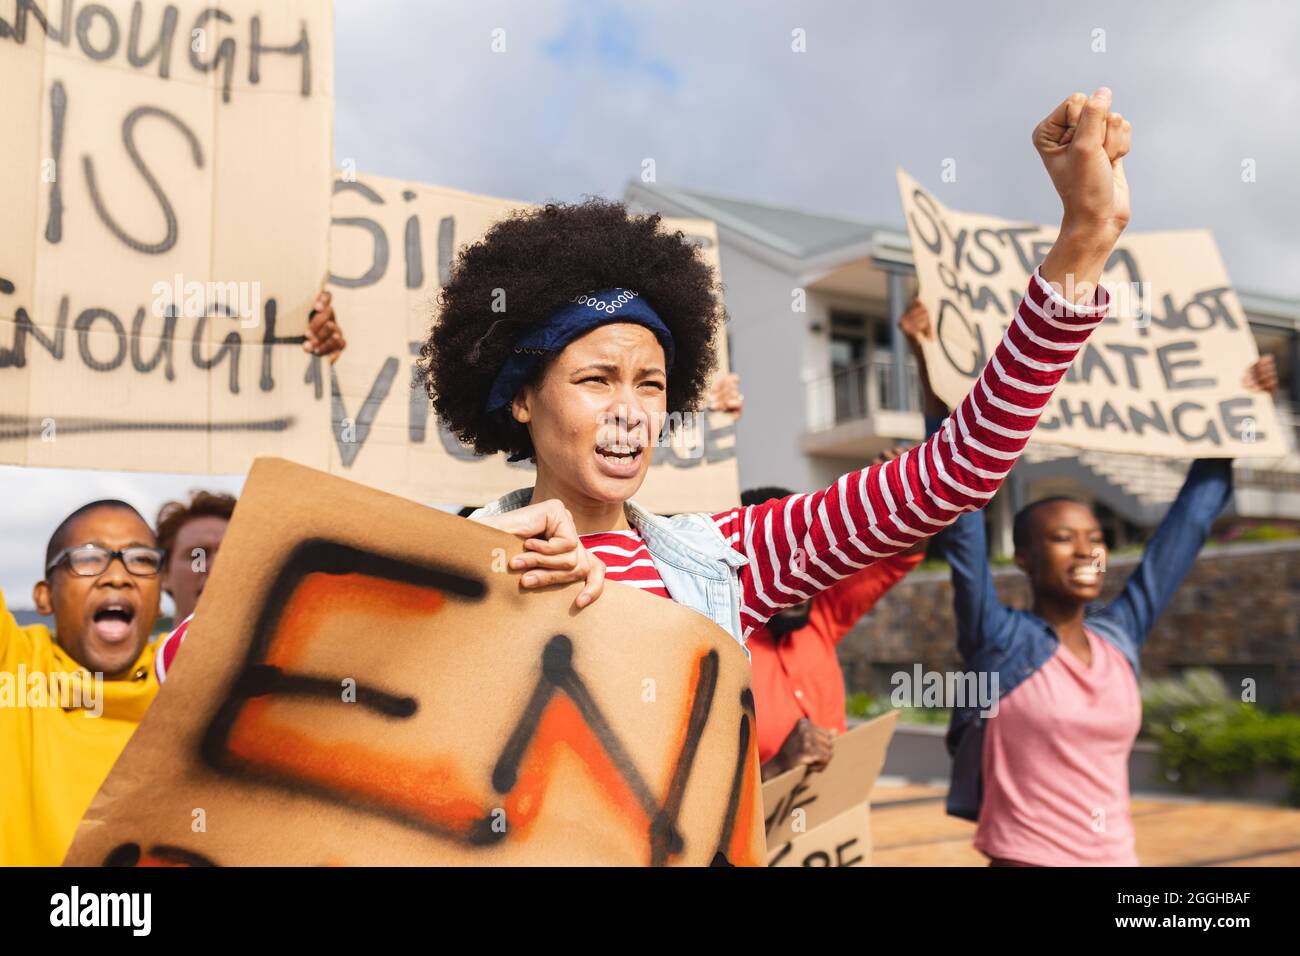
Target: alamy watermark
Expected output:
[945,689]
[37,689]
[195,300]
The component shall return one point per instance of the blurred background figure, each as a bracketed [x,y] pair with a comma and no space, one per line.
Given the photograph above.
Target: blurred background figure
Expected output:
[798,685]
[190,534]
[1045,772]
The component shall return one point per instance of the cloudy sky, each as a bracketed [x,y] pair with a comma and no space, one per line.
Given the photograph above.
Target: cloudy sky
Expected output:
[584,92]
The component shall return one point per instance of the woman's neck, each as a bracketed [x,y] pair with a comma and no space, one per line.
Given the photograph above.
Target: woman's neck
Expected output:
[1066,617]
[589,515]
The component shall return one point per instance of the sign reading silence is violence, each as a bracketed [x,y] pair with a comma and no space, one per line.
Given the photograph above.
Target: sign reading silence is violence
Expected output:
[1163,375]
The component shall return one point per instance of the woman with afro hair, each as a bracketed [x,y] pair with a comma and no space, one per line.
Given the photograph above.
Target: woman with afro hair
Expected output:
[570,334]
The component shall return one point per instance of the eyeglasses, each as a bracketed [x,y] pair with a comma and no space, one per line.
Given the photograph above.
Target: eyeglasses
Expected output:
[89,560]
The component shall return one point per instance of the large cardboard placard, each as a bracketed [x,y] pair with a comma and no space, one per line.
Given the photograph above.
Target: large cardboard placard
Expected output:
[822,819]
[364,682]
[165,181]
[392,247]
[844,840]
[1162,376]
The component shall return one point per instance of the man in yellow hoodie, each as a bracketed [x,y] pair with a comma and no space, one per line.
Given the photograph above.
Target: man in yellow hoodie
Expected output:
[70,701]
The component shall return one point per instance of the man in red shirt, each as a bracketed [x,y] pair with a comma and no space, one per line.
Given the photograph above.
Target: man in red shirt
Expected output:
[798,684]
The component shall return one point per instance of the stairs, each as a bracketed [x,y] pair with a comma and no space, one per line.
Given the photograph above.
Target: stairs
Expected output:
[1140,488]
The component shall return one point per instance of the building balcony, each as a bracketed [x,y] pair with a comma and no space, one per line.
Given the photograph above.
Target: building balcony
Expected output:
[852,413]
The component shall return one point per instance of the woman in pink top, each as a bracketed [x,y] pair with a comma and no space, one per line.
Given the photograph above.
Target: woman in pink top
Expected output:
[1045,771]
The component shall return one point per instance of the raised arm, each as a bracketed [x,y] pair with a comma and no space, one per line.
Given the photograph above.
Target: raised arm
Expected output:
[981,617]
[804,543]
[1172,550]
[849,601]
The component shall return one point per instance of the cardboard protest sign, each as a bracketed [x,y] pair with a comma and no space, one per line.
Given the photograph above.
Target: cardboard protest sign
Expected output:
[393,244]
[821,819]
[844,840]
[1162,376]
[165,185]
[365,683]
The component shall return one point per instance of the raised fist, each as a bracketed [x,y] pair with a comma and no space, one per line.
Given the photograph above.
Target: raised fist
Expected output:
[1083,145]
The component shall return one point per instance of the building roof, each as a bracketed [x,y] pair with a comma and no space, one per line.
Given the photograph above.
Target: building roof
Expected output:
[794,232]
[807,235]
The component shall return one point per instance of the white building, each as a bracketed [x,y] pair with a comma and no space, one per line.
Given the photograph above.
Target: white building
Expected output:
[823,390]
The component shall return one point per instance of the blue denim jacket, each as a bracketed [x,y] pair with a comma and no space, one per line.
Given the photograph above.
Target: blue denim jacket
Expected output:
[1014,644]
[698,566]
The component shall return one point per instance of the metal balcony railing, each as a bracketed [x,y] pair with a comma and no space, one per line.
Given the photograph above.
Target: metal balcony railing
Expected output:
[859,391]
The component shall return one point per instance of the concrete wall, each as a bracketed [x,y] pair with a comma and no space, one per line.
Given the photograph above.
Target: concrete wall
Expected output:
[1238,611]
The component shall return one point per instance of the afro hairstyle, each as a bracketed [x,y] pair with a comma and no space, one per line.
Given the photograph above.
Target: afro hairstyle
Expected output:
[531,264]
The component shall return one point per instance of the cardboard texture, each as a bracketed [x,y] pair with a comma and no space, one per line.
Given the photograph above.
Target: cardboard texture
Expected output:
[1162,376]
[822,819]
[844,840]
[364,683]
[166,185]
[392,247]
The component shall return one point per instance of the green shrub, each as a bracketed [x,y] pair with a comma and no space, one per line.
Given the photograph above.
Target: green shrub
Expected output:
[1206,735]
[862,705]
[1265,532]
[858,704]
[1165,698]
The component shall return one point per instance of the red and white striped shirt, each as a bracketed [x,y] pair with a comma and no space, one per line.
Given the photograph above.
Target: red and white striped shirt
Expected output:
[167,648]
[804,543]
[627,559]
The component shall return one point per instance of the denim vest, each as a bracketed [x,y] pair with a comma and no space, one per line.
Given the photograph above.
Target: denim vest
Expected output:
[700,569]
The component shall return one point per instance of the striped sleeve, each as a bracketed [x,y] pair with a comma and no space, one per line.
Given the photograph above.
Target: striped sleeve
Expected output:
[804,543]
[167,648]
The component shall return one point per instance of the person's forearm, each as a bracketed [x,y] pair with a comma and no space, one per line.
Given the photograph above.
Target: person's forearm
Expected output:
[1172,549]
[1076,260]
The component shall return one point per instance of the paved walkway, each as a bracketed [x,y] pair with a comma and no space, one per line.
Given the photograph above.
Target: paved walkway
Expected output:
[910,828]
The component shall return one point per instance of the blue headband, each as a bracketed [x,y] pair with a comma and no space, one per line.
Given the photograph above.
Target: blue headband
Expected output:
[585,313]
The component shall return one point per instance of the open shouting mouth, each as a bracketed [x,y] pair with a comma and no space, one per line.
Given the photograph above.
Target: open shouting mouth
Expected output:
[112,620]
[620,459]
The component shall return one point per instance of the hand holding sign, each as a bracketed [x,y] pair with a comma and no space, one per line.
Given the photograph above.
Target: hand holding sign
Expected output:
[554,554]
[914,323]
[323,336]
[1262,375]
[725,394]
[917,329]
[807,745]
